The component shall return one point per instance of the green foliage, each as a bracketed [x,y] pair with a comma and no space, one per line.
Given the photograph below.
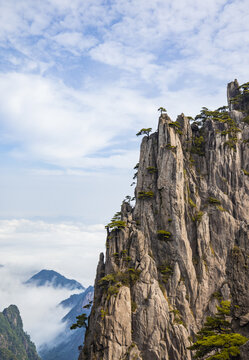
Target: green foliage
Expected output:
[246,119]
[88,306]
[219,207]
[212,200]
[244,90]
[198,216]
[133,306]
[191,203]
[217,295]
[175,124]
[15,344]
[163,235]
[145,194]
[221,115]
[198,146]
[144,132]
[166,271]
[152,169]
[112,282]
[216,340]
[103,313]
[116,222]
[245,172]
[81,322]
[177,316]
[136,166]
[162,110]
[170,147]
[6,354]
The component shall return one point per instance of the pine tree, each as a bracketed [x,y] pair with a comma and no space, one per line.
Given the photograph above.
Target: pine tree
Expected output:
[216,341]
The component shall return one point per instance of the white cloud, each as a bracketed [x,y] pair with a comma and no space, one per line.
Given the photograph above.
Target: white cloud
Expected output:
[38,306]
[74,41]
[56,124]
[28,246]
[73,247]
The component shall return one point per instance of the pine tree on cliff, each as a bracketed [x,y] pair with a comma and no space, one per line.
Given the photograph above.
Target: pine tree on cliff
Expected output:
[216,337]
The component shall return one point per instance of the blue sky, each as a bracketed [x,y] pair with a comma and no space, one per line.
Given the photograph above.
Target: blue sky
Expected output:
[78,79]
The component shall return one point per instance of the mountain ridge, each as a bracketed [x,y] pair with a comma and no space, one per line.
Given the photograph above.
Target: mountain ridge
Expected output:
[67,343]
[53,278]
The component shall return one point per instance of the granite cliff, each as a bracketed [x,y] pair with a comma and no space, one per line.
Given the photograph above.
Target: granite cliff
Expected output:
[184,246]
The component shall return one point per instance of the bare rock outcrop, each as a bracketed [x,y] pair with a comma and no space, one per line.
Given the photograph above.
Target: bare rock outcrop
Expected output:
[184,245]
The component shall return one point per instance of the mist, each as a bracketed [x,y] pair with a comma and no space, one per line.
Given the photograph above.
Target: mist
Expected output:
[38,306]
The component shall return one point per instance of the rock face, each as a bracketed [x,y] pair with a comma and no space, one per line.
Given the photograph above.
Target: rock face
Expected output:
[183,247]
[15,344]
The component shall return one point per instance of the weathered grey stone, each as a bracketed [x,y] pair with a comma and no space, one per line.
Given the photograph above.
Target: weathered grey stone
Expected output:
[181,277]
[244,319]
[244,351]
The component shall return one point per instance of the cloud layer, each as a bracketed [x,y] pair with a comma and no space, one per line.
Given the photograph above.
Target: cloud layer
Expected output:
[70,249]
[29,246]
[38,306]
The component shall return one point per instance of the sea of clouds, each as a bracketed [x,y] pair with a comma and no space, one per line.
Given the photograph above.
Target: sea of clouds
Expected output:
[29,246]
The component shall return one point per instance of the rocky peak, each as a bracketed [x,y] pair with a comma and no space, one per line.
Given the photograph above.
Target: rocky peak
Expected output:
[183,247]
[13,315]
[15,344]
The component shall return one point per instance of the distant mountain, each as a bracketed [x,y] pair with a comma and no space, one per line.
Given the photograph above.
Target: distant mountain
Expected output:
[53,278]
[67,344]
[78,299]
[15,344]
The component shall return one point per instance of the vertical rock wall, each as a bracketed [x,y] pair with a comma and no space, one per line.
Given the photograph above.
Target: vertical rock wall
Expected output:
[184,246]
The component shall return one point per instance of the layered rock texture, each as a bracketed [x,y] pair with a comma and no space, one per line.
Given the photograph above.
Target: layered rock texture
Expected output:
[184,246]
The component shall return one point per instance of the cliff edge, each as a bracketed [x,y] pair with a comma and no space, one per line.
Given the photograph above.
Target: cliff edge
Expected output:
[184,246]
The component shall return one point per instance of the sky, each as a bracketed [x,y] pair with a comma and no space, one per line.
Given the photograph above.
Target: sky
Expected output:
[78,80]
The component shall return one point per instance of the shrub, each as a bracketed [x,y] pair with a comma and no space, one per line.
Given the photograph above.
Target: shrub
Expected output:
[152,169]
[198,216]
[212,200]
[145,194]
[133,306]
[170,147]
[118,279]
[166,271]
[198,146]
[191,203]
[163,235]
